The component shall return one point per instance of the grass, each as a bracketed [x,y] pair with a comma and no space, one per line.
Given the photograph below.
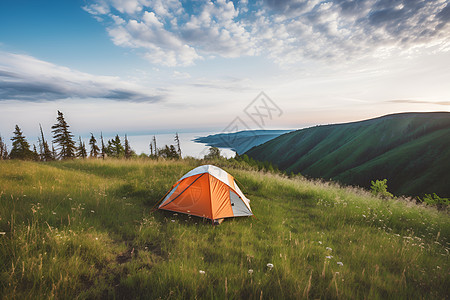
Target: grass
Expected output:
[86,230]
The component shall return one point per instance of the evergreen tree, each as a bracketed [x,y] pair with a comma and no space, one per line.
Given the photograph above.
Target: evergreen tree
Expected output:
[115,148]
[63,137]
[214,153]
[103,146]
[20,147]
[81,149]
[46,154]
[3,150]
[168,152]
[151,148]
[154,146]
[127,151]
[35,153]
[177,141]
[94,148]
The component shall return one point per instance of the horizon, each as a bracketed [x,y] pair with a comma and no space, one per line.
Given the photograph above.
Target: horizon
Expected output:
[155,67]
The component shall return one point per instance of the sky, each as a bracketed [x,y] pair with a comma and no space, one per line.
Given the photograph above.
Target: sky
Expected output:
[154,66]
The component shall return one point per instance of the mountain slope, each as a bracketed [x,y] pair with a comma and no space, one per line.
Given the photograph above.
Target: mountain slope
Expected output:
[411,150]
[240,141]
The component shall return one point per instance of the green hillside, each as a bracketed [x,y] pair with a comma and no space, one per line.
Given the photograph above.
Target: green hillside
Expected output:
[411,150]
[85,229]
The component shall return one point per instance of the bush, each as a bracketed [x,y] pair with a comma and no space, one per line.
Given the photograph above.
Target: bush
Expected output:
[379,188]
[435,200]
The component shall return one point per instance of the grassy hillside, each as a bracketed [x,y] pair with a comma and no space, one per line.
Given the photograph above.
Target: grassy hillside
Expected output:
[240,141]
[411,150]
[85,229]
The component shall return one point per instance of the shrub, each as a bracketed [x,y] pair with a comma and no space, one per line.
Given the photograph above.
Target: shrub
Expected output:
[435,200]
[379,188]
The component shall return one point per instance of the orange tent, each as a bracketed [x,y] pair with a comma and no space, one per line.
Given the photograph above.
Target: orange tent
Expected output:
[207,191]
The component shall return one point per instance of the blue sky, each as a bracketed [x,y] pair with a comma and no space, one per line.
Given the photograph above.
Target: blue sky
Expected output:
[145,66]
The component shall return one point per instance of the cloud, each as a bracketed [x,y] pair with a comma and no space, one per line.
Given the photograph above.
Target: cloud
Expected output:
[446,103]
[26,78]
[178,33]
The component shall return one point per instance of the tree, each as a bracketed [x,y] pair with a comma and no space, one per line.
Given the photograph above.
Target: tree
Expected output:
[35,153]
[115,148]
[94,148]
[63,137]
[214,153]
[168,152]
[3,150]
[177,142]
[45,153]
[127,151]
[379,188]
[81,149]
[103,146]
[154,146]
[20,147]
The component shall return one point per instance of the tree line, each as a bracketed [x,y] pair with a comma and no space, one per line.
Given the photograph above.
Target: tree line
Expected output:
[63,146]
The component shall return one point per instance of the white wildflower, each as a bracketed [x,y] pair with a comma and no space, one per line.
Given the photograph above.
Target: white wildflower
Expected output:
[270,266]
[320,242]
[250,271]
[329,256]
[340,263]
[2,233]
[172,221]
[202,272]
[329,249]
[92,211]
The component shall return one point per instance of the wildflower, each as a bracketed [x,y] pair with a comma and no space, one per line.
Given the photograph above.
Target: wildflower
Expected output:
[329,249]
[92,211]
[270,266]
[329,256]
[202,272]
[364,216]
[172,220]
[124,198]
[53,213]
[70,198]
[340,263]
[2,233]
[96,238]
[250,271]
[320,242]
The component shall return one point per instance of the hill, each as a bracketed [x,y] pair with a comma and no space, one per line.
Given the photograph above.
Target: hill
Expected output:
[85,229]
[410,150]
[240,141]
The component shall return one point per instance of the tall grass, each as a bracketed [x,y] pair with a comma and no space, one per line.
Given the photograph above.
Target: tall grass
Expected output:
[86,229]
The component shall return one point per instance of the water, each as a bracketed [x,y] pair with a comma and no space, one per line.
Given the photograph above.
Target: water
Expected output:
[140,144]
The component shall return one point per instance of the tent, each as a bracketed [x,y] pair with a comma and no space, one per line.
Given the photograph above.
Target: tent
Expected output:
[207,191]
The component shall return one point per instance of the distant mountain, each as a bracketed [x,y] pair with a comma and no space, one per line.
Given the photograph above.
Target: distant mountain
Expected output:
[411,150]
[240,141]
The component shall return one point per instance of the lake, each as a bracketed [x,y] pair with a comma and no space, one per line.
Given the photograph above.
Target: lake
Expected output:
[140,143]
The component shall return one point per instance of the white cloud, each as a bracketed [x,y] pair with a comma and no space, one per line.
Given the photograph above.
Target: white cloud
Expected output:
[287,31]
[24,77]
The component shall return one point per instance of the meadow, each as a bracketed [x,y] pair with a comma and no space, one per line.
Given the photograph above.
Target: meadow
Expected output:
[87,229]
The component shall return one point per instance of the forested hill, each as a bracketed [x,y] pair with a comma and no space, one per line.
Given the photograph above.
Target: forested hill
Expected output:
[240,141]
[410,150]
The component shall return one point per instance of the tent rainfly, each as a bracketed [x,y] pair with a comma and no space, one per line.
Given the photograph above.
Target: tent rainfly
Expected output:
[207,191]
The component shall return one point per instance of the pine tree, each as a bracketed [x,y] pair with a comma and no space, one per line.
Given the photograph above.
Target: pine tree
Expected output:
[35,153]
[81,149]
[46,154]
[103,146]
[127,150]
[94,148]
[3,150]
[115,148]
[151,148]
[63,137]
[177,141]
[154,146]
[20,147]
